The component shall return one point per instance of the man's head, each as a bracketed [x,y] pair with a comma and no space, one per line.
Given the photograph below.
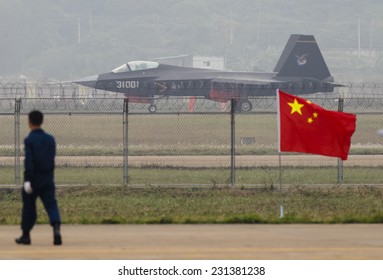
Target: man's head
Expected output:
[35,119]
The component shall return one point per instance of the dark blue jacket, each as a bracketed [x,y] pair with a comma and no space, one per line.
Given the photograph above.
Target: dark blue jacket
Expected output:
[39,163]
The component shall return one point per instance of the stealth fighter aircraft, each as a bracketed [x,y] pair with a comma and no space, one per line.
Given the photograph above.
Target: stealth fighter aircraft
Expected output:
[301,69]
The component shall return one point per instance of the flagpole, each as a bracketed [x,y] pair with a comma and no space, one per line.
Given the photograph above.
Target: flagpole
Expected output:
[281,210]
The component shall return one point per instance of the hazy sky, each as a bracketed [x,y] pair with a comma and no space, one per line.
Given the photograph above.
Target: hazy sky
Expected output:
[68,38]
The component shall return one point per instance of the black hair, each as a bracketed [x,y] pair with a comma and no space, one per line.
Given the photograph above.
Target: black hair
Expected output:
[36,118]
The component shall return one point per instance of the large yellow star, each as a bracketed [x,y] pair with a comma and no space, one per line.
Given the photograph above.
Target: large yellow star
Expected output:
[295,107]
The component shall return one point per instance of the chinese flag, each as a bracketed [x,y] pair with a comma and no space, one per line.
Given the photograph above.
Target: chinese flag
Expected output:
[308,128]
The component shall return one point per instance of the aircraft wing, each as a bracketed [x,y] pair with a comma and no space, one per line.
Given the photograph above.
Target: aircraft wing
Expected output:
[245,81]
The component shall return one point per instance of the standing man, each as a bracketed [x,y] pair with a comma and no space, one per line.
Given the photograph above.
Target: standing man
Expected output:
[39,164]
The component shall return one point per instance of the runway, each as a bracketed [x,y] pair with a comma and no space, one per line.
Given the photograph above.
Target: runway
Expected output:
[199,242]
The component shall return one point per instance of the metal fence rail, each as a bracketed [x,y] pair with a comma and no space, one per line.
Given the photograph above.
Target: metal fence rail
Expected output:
[108,141]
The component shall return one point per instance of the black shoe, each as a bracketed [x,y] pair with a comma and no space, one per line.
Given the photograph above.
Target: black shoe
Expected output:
[57,239]
[56,235]
[24,240]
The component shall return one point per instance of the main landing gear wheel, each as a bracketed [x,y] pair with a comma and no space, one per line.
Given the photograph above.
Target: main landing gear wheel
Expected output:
[152,108]
[244,106]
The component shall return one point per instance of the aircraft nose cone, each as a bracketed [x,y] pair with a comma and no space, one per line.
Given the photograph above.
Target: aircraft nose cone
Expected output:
[88,81]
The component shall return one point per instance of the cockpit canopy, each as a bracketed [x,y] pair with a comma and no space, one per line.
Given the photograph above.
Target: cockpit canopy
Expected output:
[135,66]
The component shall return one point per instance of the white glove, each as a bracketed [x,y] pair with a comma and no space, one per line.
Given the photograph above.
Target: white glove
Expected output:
[28,187]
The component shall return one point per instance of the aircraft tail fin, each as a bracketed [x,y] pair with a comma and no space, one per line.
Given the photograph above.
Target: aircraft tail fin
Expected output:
[301,57]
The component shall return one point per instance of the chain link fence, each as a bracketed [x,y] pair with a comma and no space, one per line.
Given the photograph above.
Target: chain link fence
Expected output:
[109,141]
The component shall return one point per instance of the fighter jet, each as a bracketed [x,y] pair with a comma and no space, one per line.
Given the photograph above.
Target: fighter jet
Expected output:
[300,69]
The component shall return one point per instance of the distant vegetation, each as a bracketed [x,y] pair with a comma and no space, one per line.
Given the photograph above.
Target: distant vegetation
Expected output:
[47,40]
[205,205]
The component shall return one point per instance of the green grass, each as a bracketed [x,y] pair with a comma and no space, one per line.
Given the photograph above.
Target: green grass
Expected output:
[109,205]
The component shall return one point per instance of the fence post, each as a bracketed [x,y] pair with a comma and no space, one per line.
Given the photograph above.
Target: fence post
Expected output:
[340,161]
[232,126]
[125,141]
[17,141]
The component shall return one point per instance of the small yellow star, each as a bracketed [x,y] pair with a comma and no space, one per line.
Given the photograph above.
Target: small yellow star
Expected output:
[315,114]
[295,107]
[310,120]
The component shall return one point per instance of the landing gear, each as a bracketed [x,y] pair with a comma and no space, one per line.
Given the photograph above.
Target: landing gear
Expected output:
[152,108]
[244,106]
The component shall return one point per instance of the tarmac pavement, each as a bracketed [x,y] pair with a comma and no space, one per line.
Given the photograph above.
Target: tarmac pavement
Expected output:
[198,242]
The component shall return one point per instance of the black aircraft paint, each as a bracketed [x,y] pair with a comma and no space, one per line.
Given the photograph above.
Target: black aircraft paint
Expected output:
[301,69]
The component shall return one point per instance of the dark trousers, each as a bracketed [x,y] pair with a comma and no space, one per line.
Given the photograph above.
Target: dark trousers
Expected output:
[29,211]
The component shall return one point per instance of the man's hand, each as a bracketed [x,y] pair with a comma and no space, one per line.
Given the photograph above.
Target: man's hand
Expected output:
[28,187]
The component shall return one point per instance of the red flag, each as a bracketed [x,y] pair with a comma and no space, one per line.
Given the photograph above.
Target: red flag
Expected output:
[308,128]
